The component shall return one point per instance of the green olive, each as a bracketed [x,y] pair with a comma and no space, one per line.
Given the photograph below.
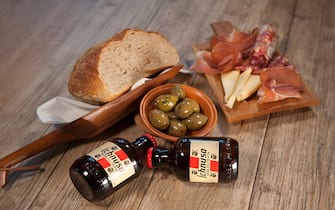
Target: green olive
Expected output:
[177,128]
[195,121]
[159,119]
[166,102]
[186,107]
[179,91]
[171,115]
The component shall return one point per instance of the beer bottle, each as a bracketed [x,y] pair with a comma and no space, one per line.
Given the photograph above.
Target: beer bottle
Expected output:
[101,172]
[204,159]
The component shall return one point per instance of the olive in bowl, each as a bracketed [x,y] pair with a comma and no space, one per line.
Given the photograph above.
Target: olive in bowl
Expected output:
[193,114]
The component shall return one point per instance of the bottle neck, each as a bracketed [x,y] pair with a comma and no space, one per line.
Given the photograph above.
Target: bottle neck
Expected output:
[143,143]
[230,154]
[160,157]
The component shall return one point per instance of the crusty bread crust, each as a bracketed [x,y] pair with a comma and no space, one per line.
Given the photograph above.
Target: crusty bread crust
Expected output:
[85,72]
[87,81]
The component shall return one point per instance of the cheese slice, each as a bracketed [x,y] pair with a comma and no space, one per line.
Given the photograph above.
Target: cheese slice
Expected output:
[229,81]
[250,87]
[242,79]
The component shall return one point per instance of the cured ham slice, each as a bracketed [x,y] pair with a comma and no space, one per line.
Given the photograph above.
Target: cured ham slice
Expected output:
[279,83]
[282,92]
[223,47]
[226,52]
[226,57]
[282,75]
[203,63]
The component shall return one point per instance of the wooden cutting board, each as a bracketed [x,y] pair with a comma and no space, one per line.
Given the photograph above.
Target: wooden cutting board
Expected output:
[250,108]
[88,126]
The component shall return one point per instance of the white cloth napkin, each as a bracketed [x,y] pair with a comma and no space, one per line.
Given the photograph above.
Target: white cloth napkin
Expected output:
[61,110]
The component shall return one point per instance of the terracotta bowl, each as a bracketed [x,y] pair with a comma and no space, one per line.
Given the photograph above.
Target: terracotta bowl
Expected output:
[206,107]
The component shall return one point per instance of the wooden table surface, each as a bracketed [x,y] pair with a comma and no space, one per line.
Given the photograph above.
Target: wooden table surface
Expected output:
[287,159]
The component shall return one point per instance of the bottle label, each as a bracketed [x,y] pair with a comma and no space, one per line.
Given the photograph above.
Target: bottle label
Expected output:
[115,162]
[204,161]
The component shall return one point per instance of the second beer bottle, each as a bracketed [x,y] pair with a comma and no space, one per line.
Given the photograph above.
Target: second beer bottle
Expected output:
[199,159]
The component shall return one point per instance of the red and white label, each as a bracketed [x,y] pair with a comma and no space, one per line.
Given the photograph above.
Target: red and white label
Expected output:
[115,162]
[204,161]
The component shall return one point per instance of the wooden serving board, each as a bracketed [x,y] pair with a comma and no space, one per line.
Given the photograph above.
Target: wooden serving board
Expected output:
[87,126]
[250,108]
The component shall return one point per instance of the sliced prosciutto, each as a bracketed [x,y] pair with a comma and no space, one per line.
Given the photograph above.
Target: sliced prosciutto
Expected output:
[239,43]
[226,52]
[203,63]
[279,83]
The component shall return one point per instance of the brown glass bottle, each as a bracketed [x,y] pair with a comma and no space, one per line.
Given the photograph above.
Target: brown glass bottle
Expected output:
[204,159]
[101,172]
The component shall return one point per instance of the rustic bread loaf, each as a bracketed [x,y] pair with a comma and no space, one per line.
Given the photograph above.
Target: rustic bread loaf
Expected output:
[108,70]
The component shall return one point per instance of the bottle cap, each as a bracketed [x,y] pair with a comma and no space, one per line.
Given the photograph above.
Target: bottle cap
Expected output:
[149,157]
[152,139]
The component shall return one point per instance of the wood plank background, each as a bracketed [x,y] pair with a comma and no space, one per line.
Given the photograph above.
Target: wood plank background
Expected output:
[287,159]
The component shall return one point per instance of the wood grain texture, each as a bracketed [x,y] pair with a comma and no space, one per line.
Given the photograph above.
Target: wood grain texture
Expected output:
[304,178]
[286,159]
